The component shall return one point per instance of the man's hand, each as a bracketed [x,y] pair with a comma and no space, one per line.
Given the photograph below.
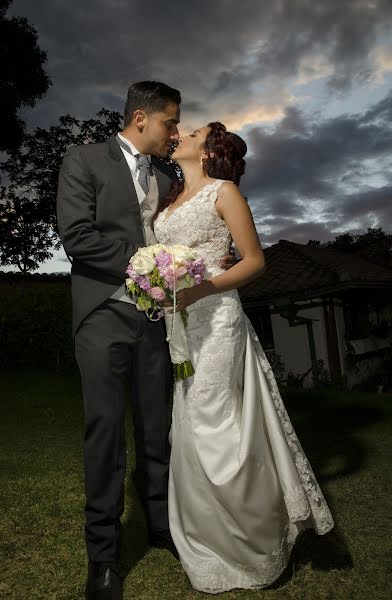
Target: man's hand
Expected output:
[228,261]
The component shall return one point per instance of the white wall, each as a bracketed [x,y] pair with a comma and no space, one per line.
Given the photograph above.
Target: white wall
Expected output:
[292,342]
[341,330]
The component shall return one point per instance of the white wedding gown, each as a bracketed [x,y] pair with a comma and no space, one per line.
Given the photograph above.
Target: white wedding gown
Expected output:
[240,487]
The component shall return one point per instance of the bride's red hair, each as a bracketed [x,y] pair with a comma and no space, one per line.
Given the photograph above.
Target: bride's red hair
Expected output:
[225,152]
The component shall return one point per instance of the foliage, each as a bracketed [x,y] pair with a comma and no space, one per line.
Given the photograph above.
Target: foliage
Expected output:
[23,78]
[32,175]
[296,380]
[277,365]
[26,240]
[347,242]
[33,171]
[35,327]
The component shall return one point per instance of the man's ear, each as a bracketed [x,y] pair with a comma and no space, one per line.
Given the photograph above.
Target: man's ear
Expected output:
[139,118]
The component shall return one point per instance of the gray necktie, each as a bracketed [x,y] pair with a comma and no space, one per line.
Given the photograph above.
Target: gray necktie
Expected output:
[144,167]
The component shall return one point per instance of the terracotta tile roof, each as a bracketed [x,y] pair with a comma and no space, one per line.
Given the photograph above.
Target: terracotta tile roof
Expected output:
[292,268]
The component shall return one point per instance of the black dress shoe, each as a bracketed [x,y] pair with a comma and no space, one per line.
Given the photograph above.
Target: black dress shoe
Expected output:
[163,539]
[103,582]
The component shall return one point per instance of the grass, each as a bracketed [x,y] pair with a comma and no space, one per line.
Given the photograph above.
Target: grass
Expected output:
[42,555]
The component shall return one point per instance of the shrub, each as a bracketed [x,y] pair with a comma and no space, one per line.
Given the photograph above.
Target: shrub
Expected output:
[35,327]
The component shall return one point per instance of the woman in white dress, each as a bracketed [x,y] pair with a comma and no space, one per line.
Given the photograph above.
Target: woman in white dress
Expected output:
[241,488]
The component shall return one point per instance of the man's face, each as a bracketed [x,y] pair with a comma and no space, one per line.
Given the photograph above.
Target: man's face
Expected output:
[160,130]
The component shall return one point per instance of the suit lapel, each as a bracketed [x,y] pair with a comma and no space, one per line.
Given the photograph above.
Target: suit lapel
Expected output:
[120,166]
[119,170]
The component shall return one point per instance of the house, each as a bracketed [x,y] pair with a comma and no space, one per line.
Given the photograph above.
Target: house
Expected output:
[312,304]
[316,303]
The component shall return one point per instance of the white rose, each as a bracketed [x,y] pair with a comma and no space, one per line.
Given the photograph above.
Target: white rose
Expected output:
[143,263]
[157,248]
[183,253]
[146,251]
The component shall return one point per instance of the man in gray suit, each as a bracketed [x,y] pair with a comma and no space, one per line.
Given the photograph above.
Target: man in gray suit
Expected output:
[107,196]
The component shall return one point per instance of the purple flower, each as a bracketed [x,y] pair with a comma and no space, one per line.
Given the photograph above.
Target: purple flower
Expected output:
[163,259]
[168,275]
[131,272]
[143,281]
[197,267]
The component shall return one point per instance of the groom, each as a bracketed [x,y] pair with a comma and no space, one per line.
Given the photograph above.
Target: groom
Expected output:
[107,196]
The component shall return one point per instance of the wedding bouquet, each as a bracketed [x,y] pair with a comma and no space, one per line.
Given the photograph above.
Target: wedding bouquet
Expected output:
[156,273]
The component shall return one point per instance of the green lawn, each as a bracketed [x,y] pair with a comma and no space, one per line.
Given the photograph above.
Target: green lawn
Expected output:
[42,556]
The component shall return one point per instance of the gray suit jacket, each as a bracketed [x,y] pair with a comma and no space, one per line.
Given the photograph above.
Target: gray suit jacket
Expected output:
[99,220]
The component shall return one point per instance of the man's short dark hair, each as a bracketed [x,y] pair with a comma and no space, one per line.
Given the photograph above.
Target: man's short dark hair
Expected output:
[151,96]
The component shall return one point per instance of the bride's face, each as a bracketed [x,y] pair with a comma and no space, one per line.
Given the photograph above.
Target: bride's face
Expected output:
[191,147]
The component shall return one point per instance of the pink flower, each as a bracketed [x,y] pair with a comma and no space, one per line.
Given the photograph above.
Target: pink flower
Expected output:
[168,274]
[158,294]
[181,271]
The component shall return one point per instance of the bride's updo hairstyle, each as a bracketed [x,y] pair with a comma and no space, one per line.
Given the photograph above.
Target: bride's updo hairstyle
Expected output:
[225,154]
[225,160]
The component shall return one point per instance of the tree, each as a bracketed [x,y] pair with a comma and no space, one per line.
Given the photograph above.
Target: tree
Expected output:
[32,172]
[26,240]
[28,224]
[374,245]
[22,75]
[347,242]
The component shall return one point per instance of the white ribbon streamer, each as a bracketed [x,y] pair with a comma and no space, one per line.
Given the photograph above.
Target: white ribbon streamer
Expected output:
[178,345]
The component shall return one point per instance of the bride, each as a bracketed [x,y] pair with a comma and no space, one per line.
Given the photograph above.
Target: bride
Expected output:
[241,488]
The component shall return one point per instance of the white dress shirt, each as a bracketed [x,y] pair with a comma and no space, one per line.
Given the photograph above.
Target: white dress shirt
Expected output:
[133,166]
[148,205]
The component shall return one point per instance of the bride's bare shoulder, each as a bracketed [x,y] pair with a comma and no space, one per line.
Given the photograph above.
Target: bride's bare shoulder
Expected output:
[228,189]
[229,197]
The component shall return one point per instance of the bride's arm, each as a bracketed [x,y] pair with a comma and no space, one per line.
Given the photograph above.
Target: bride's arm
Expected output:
[233,208]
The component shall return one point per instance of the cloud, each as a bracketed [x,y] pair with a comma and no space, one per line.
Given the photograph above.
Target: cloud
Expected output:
[323,175]
[382,62]
[245,64]
[298,232]
[224,56]
[370,203]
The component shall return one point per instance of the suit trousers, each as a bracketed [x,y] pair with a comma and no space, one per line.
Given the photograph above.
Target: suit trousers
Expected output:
[121,355]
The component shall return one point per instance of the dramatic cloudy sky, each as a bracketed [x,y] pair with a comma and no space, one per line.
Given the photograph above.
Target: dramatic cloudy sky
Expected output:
[307,83]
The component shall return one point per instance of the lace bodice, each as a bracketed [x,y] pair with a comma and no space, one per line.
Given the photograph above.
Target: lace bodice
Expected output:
[196,223]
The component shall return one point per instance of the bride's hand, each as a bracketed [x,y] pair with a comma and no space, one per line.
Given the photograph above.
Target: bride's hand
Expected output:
[188,296]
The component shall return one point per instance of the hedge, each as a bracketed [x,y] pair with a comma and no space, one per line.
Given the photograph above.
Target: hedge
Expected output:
[35,327]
